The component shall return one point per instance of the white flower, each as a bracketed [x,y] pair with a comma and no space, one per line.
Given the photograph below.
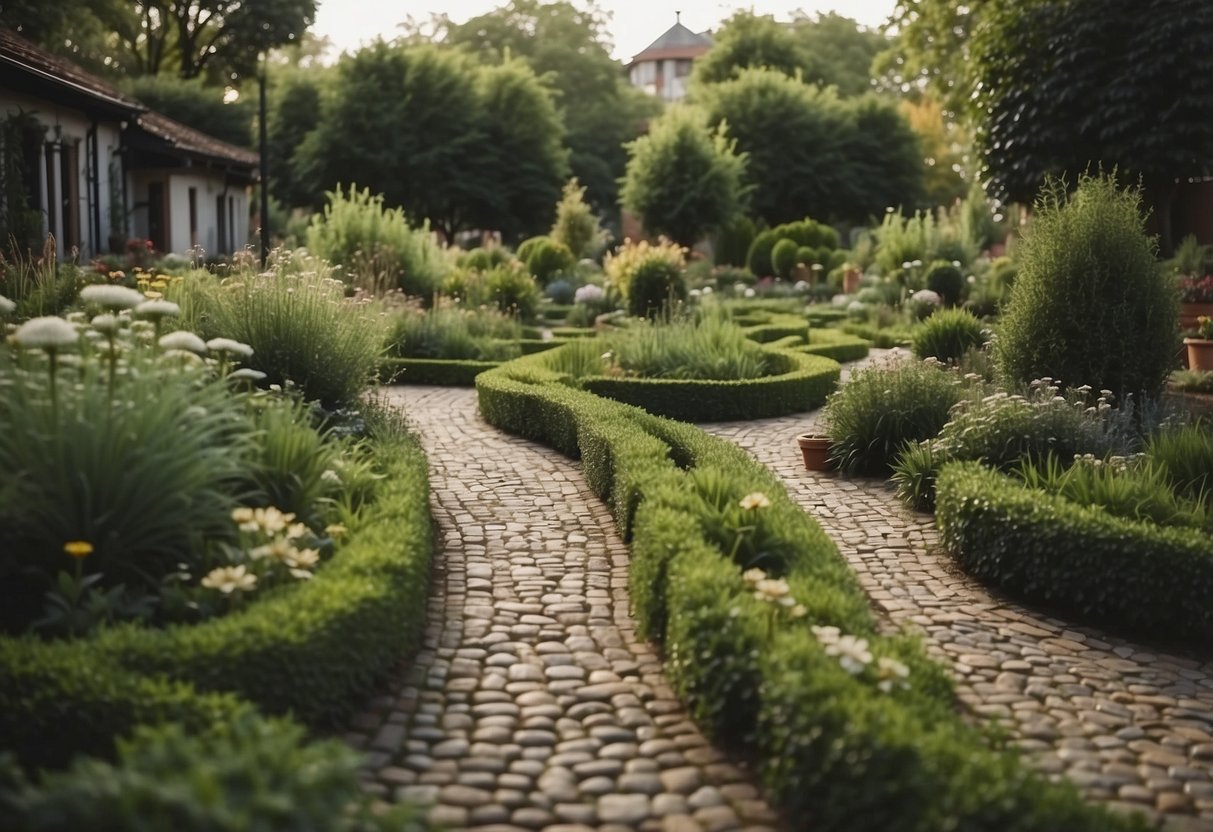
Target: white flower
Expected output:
[47,333]
[7,307]
[589,294]
[272,520]
[330,476]
[799,611]
[772,590]
[826,635]
[246,519]
[246,373]
[296,530]
[157,309]
[749,293]
[229,346]
[303,558]
[754,500]
[111,297]
[106,324]
[852,653]
[753,576]
[185,356]
[280,549]
[707,290]
[891,674]
[229,579]
[183,340]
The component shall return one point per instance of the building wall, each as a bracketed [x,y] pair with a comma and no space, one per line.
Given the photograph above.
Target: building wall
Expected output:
[208,185]
[92,207]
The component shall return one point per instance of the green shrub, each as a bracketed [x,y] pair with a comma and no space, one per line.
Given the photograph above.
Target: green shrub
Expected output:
[454,334]
[1002,429]
[291,464]
[807,256]
[577,226]
[622,265]
[733,242]
[513,291]
[248,773]
[561,292]
[374,246]
[946,280]
[836,345]
[948,334]
[303,330]
[882,408]
[1090,304]
[1046,548]
[656,286]
[483,259]
[758,258]
[783,258]
[545,258]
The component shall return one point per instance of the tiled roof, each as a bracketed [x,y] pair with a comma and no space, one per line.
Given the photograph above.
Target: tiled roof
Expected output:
[677,39]
[17,53]
[192,141]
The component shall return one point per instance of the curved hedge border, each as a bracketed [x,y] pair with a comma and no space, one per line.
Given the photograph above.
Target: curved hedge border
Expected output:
[451,372]
[835,344]
[310,649]
[801,382]
[1046,548]
[836,752]
[774,327]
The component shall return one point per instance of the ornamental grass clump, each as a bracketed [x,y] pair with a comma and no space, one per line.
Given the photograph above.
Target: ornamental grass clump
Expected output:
[454,334]
[948,334]
[1090,303]
[707,347]
[302,329]
[884,408]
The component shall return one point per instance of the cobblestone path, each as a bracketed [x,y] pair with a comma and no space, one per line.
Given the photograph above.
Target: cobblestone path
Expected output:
[1127,723]
[532,705]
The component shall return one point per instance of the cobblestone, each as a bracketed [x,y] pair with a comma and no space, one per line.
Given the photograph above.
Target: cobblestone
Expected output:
[531,704]
[1048,682]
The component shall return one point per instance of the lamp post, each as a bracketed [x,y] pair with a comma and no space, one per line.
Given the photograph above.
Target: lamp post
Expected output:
[265,165]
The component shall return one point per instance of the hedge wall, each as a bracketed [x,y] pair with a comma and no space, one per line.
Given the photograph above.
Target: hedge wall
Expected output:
[1045,548]
[835,344]
[438,371]
[837,751]
[310,648]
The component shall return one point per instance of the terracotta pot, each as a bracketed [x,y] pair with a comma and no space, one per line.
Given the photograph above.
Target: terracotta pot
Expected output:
[850,281]
[1189,312]
[816,452]
[1200,353]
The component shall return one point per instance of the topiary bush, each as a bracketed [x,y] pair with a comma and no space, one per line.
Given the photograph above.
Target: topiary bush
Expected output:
[883,408]
[758,258]
[946,280]
[783,258]
[545,258]
[948,334]
[513,291]
[1090,303]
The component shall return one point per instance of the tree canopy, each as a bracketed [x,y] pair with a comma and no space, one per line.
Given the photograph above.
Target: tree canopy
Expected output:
[1061,86]
[201,107]
[462,145]
[684,179]
[569,49]
[812,153]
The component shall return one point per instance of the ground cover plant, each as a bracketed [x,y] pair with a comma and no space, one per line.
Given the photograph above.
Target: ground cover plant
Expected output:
[768,633]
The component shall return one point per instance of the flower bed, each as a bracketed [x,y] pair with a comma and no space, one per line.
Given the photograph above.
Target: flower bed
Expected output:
[853,730]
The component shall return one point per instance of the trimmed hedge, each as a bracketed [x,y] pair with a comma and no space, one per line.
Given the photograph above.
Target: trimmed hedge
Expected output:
[310,649]
[774,328]
[835,344]
[802,382]
[837,752]
[1043,547]
[439,371]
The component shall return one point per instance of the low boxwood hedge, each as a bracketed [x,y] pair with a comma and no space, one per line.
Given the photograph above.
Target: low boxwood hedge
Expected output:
[838,750]
[437,371]
[309,649]
[802,382]
[765,328]
[1046,548]
[835,344]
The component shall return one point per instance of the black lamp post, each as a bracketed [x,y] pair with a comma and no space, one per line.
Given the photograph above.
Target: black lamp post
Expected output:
[265,166]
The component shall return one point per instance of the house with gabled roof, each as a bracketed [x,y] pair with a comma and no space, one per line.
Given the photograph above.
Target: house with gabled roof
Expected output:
[664,66]
[92,167]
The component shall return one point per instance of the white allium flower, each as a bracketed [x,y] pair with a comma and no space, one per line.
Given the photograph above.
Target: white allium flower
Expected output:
[7,307]
[106,324]
[246,373]
[749,293]
[183,340]
[111,297]
[229,579]
[229,346]
[157,309]
[707,290]
[46,333]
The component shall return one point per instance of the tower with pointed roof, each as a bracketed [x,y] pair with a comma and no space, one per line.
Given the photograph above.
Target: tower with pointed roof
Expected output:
[663,67]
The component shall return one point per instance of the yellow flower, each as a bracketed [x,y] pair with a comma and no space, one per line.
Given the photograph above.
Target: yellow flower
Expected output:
[152,295]
[279,549]
[303,558]
[799,611]
[335,530]
[78,548]
[229,579]
[273,520]
[754,501]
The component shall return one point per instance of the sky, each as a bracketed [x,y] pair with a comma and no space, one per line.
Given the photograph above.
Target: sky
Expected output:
[634,23]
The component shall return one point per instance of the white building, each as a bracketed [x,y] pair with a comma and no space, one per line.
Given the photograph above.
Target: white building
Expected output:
[664,66]
[83,162]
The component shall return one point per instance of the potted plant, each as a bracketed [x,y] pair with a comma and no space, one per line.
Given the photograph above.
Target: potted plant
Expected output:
[815,449]
[1200,348]
[1195,299]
